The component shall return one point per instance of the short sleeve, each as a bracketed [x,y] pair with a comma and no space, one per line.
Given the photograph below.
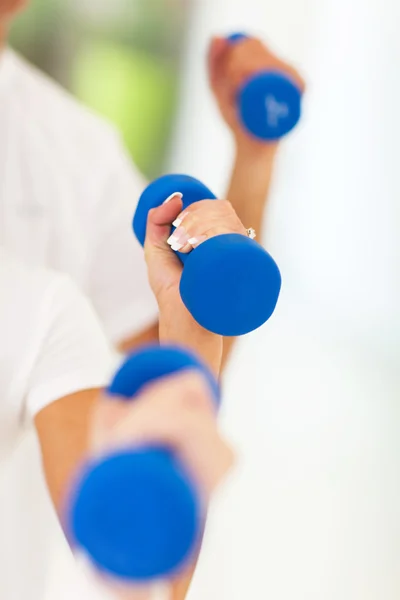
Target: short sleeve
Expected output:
[118,282]
[72,352]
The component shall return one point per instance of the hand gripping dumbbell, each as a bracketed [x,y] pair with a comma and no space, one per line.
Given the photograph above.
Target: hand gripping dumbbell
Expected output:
[269,103]
[136,514]
[229,284]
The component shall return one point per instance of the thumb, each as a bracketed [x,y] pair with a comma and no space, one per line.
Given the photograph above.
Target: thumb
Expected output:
[160,219]
[217,47]
[163,266]
[216,54]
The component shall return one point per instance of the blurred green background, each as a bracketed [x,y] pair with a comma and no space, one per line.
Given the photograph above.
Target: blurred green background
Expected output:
[119,57]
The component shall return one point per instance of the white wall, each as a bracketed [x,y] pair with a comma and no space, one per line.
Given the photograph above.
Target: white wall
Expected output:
[312,399]
[334,207]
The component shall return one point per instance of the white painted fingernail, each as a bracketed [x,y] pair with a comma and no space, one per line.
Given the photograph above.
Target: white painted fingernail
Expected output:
[178,222]
[176,247]
[172,240]
[196,241]
[175,194]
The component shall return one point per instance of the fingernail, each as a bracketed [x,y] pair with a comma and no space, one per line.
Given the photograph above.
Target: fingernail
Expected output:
[179,220]
[180,235]
[195,241]
[175,243]
[172,240]
[174,195]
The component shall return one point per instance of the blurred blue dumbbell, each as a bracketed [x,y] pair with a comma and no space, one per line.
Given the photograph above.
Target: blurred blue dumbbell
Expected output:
[269,103]
[136,514]
[230,284]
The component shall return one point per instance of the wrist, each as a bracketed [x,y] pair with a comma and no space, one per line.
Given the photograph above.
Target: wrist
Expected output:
[251,180]
[177,326]
[254,153]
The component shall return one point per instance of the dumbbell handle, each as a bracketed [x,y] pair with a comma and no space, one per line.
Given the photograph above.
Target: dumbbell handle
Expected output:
[137,513]
[229,283]
[269,103]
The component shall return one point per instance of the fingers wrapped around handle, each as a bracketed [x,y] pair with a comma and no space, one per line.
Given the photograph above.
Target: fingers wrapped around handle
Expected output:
[202,221]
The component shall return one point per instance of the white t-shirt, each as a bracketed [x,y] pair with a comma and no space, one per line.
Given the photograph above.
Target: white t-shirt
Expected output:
[51,345]
[68,193]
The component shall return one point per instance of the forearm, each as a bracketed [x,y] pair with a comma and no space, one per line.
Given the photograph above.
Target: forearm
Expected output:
[250,184]
[248,189]
[62,429]
[177,326]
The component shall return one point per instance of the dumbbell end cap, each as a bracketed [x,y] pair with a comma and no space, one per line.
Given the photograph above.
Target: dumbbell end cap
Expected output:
[230,285]
[270,105]
[152,362]
[135,515]
[162,188]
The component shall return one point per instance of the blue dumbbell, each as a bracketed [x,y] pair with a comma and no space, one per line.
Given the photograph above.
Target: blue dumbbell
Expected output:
[269,103]
[230,284]
[136,514]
